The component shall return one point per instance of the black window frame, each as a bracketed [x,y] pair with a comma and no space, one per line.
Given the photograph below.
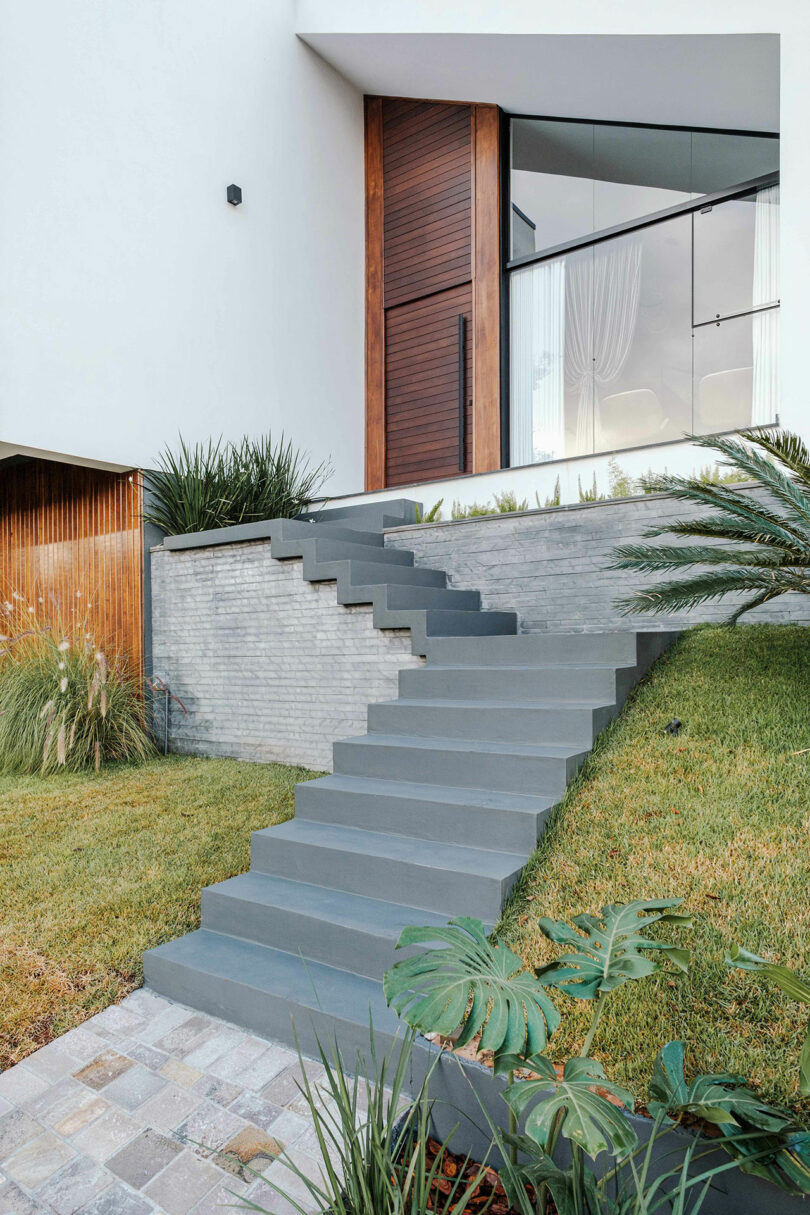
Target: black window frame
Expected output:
[508,264]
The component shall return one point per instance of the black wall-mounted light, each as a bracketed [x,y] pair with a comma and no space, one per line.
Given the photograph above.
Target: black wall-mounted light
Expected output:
[234,195]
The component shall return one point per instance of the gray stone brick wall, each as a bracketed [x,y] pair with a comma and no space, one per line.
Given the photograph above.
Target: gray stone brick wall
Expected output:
[549,565]
[268,666]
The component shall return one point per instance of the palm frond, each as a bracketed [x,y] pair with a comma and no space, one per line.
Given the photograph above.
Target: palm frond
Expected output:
[784,446]
[651,558]
[719,528]
[729,501]
[682,594]
[759,468]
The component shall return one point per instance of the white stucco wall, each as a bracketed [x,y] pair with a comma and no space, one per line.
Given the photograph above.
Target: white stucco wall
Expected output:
[134,301]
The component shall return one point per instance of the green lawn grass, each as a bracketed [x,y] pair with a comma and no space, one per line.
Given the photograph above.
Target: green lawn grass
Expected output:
[96,869]
[720,815]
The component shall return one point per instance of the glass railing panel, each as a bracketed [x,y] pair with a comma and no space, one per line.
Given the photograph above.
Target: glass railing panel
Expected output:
[736,372]
[642,337]
[736,256]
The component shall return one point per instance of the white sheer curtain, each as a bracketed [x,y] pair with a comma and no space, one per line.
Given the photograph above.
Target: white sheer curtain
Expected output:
[537,359]
[602,297]
[765,397]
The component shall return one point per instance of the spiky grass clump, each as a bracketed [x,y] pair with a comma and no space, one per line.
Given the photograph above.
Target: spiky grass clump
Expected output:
[209,485]
[62,704]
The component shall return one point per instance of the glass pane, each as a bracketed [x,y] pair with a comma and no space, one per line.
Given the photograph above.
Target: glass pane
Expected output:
[639,171]
[736,373]
[737,255]
[721,161]
[642,342]
[551,369]
[551,183]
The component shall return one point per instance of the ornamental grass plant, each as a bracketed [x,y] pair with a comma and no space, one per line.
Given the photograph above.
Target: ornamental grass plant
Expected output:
[209,485]
[64,703]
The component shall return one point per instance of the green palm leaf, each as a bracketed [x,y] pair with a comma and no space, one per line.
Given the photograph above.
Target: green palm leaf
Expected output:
[475,983]
[585,1117]
[793,987]
[608,947]
[778,528]
[765,1139]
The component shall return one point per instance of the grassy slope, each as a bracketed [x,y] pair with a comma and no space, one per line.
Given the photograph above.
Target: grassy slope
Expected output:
[719,815]
[96,869]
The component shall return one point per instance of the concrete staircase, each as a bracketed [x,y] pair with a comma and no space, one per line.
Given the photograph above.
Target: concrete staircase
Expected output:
[431,814]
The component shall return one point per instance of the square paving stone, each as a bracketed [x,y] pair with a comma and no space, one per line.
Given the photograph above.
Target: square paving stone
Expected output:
[19,1085]
[167,1109]
[139,1161]
[14,1202]
[17,1128]
[69,1190]
[179,1035]
[180,1186]
[207,1050]
[256,1110]
[149,1056]
[221,1200]
[248,1153]
[83,1044]
[145,1003]
[238,1059]
[38,1160]
[220,1091]
[272,1063]
[104,1069]
[107,1134]
[118,1201]
[180,1073]
[119,1020]
[286,1088]
[82,1115]
[133,1087]
[208,1128]
[53,1061]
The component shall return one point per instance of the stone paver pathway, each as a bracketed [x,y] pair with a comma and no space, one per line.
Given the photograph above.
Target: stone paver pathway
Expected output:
[107,1119]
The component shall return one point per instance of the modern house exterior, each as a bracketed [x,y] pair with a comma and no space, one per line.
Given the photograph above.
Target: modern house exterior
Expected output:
[476,251]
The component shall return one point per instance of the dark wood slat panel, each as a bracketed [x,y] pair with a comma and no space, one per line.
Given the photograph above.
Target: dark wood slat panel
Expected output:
[71,543]
[422,386]
[427,193]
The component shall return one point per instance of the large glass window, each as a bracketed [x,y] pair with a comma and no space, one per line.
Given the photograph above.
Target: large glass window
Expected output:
[670,326]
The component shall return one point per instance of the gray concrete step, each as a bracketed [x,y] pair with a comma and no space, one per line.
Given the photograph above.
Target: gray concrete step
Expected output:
[601,684]
[323,548]
[439,622]
[496,720]
[452,879]
[537,649]
[350,931]
[431,812]
[511,767]
[373,573]
[375,516]
[273,993]
[396,597]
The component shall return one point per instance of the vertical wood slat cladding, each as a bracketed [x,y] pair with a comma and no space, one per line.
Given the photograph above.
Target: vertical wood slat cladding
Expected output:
[432,253]
[66,529]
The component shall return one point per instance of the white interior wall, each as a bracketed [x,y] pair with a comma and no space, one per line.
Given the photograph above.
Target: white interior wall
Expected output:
[134,301]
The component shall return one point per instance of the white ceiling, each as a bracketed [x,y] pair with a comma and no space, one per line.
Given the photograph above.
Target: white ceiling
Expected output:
[714,80]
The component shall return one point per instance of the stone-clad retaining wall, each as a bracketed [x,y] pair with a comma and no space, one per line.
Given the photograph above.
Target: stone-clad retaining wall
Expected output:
[268,666]
[549,565]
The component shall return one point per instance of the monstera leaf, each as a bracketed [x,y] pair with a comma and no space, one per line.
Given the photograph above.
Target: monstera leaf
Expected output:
[475,983]
[607,947]
[585,1116]
[791,985]
[764,1139]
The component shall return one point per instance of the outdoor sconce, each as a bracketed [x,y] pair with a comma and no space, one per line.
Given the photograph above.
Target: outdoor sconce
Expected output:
[234,195]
